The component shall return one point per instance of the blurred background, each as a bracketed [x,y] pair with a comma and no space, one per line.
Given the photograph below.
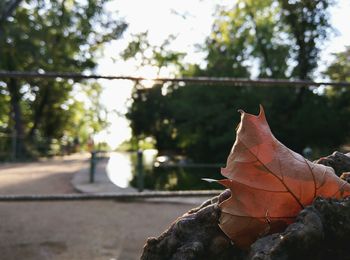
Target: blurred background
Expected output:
[187,122]
[183,131]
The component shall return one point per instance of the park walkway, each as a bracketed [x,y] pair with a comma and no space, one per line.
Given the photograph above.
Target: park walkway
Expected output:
[73,229]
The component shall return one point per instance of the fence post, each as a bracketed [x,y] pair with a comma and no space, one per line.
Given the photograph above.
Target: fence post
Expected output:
[92,166]
[140,170]
[14,145]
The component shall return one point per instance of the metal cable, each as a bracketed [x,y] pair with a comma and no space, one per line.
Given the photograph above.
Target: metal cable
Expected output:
[108,196]
[203,80]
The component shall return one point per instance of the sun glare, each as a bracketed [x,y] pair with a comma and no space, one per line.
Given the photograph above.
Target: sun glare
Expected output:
[149,73]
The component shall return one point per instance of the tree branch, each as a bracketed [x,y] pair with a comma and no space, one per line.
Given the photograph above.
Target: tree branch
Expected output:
[6,13]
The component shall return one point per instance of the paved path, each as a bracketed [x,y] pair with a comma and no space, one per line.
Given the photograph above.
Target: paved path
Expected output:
[101,184]
[81,230]
[72,229]
[51,176]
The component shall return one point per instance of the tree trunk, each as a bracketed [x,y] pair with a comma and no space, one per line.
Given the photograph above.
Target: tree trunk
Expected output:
[38,114]
[16,112]
[17,118]
[321,231]
[7,12]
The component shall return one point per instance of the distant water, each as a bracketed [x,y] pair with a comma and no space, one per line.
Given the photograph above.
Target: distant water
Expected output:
[121,171]
[121,165]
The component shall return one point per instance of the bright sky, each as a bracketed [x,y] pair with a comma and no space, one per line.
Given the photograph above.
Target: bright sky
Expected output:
[162,18]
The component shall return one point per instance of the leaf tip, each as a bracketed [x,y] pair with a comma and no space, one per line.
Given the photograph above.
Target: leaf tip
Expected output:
[262,111]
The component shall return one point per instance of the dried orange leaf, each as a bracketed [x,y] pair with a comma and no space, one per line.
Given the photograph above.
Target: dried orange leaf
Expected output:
[269,183]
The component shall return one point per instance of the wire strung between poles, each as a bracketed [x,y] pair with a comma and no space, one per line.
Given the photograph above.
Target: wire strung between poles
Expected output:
[203,80]
[109,196]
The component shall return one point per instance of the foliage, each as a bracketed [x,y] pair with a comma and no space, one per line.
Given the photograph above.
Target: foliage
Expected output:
[339,70]
[53,36]
[146,54]
[267,39]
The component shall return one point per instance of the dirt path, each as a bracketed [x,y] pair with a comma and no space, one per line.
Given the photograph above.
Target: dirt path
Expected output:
[45,177]
[73,230]
[81,230]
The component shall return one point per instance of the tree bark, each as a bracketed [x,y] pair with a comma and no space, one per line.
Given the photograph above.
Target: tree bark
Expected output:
[17,117]
[195,235]
[12,85]
[7,12]
[321,231]
[39,111]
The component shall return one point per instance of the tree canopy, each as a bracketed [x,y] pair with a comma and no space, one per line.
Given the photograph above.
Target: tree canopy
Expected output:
[264,38]
[56,35]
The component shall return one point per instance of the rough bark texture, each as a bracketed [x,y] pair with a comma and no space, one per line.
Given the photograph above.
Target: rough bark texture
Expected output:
[321,231]
[195,235]
[338,161]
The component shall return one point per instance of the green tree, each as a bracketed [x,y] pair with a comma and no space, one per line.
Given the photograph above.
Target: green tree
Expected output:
[59,35]
[339,70]
[149,113]
[145,54]
[265,38]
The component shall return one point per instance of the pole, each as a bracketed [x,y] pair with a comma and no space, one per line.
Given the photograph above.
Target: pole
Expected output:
[92,166]
[140,170]
[14,144]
